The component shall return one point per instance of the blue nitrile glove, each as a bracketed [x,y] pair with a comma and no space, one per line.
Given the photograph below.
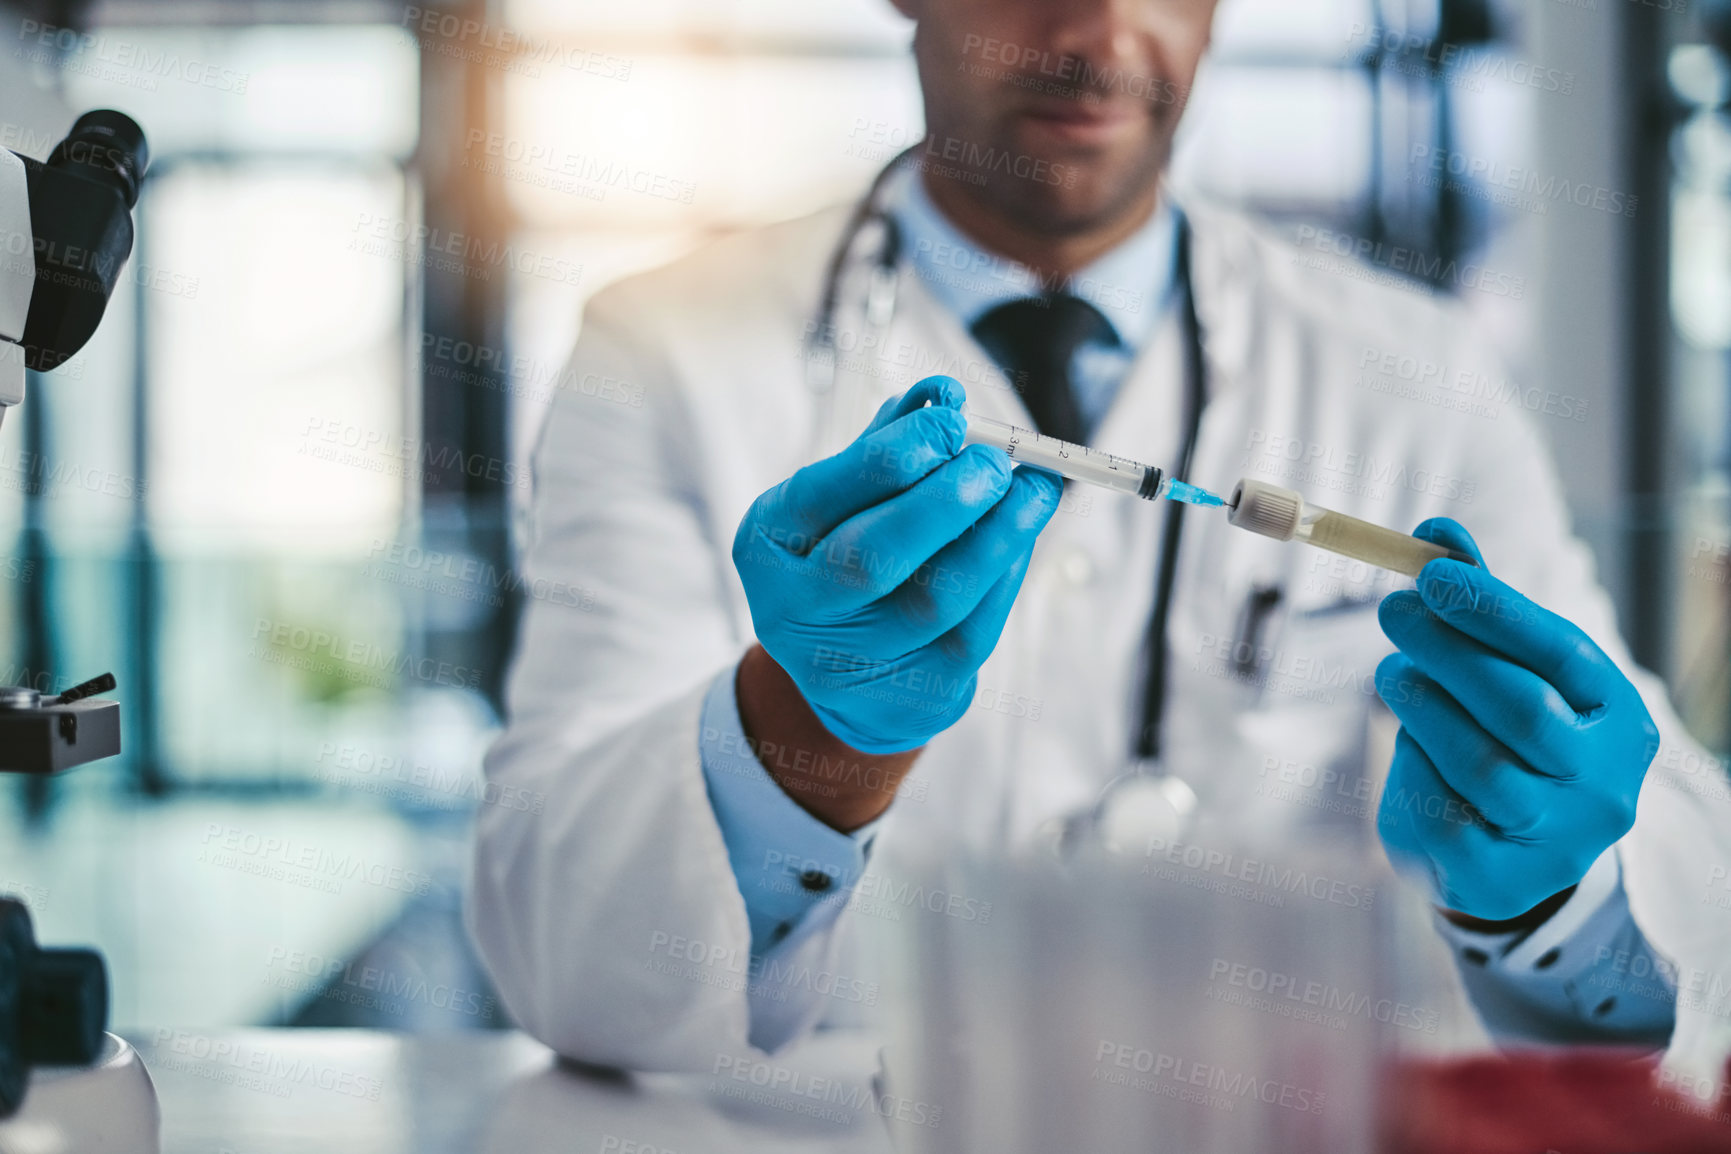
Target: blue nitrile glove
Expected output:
[1522,746]
[880,578]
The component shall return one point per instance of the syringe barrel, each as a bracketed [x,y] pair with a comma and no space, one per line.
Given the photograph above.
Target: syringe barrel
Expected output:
[1077,462]
[1284,515]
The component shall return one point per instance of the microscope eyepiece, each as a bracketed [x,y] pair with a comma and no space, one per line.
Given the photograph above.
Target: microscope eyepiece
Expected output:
[81,203]
[107,146]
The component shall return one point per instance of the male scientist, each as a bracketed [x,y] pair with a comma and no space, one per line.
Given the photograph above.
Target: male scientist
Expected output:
[821,622]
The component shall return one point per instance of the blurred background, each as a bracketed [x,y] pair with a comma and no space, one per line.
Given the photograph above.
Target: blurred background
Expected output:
[277,494]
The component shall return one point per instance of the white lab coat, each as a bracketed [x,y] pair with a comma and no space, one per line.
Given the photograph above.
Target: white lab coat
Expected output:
[688,397]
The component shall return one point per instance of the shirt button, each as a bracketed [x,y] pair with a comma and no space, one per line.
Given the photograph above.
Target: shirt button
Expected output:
[1077,568]
[816,881]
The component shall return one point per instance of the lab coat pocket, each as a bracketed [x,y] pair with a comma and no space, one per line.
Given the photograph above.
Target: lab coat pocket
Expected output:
[1316,684]
[1324,656]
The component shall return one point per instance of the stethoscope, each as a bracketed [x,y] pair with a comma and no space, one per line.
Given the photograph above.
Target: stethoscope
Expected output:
[1144,800]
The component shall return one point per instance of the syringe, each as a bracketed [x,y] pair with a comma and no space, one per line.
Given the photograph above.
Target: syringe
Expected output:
[1080,463]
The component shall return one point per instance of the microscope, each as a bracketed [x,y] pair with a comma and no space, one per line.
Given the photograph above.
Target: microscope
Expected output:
[65,235]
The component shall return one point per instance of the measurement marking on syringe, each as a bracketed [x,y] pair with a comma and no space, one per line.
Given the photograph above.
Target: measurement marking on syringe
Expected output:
[1083,463]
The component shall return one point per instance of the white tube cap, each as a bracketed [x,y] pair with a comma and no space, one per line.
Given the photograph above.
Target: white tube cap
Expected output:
[1265,509]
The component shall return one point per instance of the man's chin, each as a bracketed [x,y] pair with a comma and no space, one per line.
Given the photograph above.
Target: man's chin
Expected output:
[1077,187]
[1081,204]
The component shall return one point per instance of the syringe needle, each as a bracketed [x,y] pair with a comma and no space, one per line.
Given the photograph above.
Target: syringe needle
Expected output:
[1192,494]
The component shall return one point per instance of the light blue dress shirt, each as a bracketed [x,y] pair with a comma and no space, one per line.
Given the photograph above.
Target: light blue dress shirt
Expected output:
[787,862]
[1558,983]
[1131,286]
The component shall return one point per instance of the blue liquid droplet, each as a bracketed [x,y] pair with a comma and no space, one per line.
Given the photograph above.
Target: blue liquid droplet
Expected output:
[1192,494]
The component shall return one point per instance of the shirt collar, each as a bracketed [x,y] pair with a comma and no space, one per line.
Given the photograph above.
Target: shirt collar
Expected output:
[1129,284]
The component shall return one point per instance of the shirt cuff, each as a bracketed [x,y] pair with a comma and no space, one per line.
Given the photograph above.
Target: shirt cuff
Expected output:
[1587,973]
[794,871]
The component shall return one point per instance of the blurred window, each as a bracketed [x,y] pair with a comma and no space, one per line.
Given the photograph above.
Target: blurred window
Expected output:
[273,454]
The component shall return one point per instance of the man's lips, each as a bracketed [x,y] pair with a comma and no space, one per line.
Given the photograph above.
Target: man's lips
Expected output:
[1081,122]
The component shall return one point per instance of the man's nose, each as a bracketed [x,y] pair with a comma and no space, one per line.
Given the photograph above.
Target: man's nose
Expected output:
[1106,33]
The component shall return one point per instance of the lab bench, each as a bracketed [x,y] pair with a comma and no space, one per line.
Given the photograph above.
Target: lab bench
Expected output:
[299,1091]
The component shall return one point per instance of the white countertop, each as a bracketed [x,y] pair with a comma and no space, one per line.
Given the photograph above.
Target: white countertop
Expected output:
[277,1091]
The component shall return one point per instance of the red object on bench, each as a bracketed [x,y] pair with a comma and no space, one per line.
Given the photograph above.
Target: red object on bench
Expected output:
[1594,1101]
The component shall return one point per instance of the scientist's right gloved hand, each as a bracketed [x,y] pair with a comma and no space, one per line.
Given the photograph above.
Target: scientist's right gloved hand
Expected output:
[880,578]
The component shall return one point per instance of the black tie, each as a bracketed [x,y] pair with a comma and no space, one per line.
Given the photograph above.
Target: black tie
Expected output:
[1034,340]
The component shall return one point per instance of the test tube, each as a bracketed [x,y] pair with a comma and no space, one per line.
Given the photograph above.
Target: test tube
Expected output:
[1081,463]
[1285,516]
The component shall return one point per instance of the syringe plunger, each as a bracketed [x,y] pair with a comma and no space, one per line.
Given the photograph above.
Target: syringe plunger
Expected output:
[1082,463]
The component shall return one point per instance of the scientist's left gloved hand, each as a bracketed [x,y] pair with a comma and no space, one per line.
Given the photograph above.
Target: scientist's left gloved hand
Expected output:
[1522,746]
